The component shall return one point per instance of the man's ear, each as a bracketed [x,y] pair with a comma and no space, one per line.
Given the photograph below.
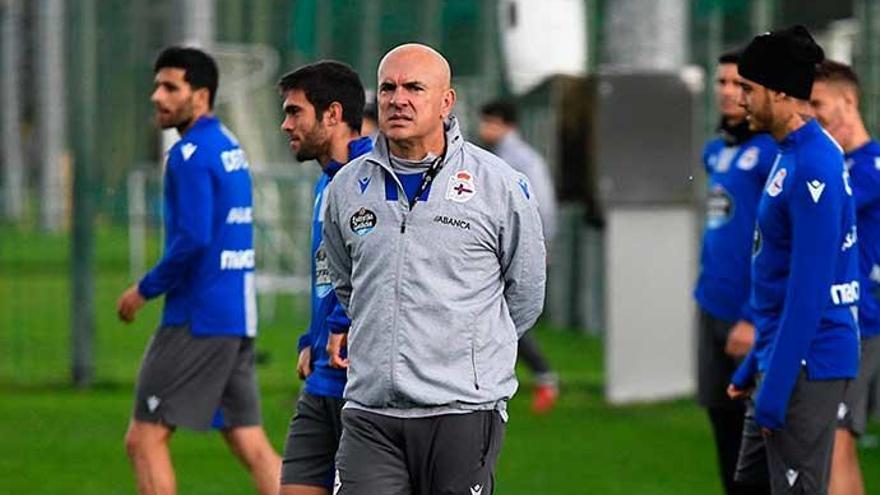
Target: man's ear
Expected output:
[333,114]
[448,102]
[203,97]
[850,98]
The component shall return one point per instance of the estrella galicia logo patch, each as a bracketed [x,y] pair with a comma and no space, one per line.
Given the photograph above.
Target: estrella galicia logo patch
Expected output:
[719,207]
[775,187]
[363,221]
[461,187]
[323,282]
[757,241]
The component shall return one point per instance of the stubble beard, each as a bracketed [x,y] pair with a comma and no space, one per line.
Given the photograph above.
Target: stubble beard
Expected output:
[314,143]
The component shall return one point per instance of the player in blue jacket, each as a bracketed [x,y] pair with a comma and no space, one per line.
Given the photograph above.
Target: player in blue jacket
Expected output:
[805,286]
[835,99]
[323,107]
[198,370]
[737,163]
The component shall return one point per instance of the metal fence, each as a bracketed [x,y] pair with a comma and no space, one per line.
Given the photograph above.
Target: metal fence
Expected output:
[80,199]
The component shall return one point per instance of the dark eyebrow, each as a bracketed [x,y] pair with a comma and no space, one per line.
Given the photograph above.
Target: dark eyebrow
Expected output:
[292,109]
[165,84]
[410,85]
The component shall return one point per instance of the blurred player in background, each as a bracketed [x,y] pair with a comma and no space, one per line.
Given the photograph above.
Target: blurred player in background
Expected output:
[198,369]
[498,131]
[737,163]
[436,251]
[805,284]
[370,125]
[835,100]
[323,106]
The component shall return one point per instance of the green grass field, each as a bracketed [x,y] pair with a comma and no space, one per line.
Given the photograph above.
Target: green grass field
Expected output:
[56,439]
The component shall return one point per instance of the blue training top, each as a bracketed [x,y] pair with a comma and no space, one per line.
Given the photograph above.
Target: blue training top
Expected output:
[207,270]
[805,286]
[327,314]
[737,165]
[863,164]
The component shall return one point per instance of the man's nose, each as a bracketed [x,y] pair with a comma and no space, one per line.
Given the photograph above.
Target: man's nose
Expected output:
[397,98]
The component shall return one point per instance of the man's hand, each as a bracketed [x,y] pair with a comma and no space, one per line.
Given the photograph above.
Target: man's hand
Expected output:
[740,339]
[335,344]
[129,303]
[736,394]
[304,363]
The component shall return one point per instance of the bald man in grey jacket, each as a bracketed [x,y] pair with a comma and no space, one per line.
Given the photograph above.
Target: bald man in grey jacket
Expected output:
[436,250]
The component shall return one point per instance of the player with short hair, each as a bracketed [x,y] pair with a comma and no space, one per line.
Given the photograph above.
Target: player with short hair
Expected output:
[323,106]
[498,131]
[370,125]
[835,99]
[805,286]
[198,369]
[737,163]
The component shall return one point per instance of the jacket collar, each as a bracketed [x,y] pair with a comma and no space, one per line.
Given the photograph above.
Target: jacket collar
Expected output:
[810,128]
[454,142]
[203,121]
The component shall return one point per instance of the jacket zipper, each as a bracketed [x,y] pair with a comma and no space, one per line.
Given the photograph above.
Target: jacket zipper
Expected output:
[400,254]
[394,329]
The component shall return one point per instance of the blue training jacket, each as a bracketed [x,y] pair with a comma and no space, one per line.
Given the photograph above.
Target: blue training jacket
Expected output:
[207,270]
[805,280]
[737,165]
[863,164]
[327,314]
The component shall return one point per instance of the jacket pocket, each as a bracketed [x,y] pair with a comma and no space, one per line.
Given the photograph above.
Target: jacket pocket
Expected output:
[493,352]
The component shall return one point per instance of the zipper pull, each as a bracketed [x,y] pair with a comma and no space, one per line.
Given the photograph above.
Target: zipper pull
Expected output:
[403,225]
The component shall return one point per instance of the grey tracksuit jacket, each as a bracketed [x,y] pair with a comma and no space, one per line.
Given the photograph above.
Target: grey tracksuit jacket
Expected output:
[438,295]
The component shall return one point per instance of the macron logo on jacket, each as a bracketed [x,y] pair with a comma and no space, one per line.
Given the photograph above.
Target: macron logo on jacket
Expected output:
[187,150]
[816,188]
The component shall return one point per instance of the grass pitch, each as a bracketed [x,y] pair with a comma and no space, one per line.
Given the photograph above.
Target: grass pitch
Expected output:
[57,439]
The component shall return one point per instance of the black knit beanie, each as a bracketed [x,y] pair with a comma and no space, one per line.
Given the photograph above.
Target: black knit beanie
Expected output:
[783,60]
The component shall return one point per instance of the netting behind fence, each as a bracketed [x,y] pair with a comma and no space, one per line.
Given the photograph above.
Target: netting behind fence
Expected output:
[35,277]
